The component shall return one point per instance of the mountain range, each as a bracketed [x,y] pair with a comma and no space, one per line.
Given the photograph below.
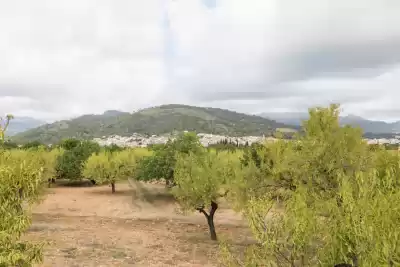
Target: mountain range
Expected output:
[156,120]
[168,118]
[369,126]
[21,124]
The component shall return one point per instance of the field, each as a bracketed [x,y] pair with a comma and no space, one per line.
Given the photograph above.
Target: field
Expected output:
[87,226]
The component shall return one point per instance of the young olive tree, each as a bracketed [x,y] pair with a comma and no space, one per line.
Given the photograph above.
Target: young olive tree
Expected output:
[102,169]
[199,184]
[107,167]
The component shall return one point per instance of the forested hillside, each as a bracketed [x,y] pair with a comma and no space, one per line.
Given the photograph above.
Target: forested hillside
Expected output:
[156,120]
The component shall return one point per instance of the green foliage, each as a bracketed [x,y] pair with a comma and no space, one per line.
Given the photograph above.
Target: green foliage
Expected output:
[32,145]
[70,163]
[321,200]
[113,148]
[228,145]
[48,160]
[8,145]
[102,168]
[161,164]
[198,180]
[20,187]
[108,168]
[69,144]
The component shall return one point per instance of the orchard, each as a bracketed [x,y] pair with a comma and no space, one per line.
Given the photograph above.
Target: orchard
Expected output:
[323,198]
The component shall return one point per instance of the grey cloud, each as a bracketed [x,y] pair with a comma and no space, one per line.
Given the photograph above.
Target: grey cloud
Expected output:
[364,58]
[63,58]
[325,50]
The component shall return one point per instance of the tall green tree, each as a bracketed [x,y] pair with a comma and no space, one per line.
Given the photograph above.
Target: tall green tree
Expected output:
[161,163]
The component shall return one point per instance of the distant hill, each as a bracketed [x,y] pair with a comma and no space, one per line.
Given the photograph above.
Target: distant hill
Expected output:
[369,126]
[156,120]
[21,124]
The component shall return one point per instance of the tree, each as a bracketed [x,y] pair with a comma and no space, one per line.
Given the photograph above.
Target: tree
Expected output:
[102,169]
[48,159]
[20,175]
[338,196]
[199,184]
[161,163]
[8,145]
[70,163]
[107,167]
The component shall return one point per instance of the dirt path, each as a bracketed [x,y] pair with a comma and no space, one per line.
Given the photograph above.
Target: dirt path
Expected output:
[91,227]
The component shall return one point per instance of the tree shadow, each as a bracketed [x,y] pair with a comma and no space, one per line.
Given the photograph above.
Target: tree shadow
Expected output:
[107,191]
[72,183]
[151,195]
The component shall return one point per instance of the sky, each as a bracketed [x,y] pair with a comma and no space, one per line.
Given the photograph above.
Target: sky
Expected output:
[60,59]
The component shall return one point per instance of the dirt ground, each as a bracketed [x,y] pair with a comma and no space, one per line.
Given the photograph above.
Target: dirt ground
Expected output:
[88,226]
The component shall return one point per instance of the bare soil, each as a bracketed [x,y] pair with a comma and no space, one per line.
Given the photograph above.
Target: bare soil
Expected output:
[89,226]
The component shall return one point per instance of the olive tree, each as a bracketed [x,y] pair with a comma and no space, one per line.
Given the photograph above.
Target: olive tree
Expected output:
[199,184]
[109,167]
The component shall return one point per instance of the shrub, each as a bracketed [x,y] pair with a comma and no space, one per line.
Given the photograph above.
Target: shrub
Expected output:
[70,163]
[20,184]
[341,200]
[161,163]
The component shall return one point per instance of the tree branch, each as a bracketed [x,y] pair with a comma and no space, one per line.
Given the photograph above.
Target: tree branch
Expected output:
[201,210]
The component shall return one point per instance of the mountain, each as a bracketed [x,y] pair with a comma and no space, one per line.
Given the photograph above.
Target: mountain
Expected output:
[21,124]
[156,120]
[114,113]
[369,126]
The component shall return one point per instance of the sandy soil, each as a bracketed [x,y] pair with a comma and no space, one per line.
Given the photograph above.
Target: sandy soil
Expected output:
[88,226]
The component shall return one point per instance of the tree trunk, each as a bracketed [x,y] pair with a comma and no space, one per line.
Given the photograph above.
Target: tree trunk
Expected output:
[213,233]
[51,181]
[210,219]
[21,193]
[113,188]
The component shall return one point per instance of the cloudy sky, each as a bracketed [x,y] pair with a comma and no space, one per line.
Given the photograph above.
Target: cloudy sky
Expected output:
[64,58]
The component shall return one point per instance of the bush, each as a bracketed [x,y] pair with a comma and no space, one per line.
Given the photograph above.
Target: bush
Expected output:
[161,163]
[32,145]
[70,163]
[20,184]
[341,200]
